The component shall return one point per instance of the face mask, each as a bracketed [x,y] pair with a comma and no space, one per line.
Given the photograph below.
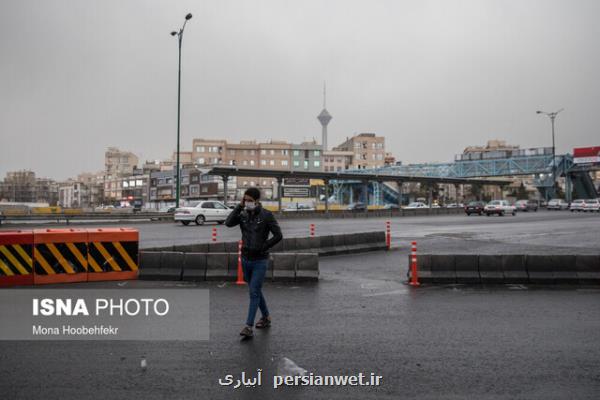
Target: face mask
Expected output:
[250,206]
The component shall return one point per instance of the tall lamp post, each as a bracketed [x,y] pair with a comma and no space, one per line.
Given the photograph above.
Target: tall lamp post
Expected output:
[177,177]
[552,116]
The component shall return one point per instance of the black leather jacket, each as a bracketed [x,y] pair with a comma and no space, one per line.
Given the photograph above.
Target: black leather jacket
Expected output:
[255,226]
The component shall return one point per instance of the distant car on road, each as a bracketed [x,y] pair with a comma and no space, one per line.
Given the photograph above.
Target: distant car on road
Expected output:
[526,205]
[202,212]
[391,206]
[298,207]
[167,210]
[415,205]
[591,205]
[557,204]
[455,205]
[577,205]
[356,207]
[475,207]
[499,207]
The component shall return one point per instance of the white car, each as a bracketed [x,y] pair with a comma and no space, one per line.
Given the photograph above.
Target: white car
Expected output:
[202,212]
[415,205]
[557,204]
[298,207]
[577,205]
[591,205]
[499,207]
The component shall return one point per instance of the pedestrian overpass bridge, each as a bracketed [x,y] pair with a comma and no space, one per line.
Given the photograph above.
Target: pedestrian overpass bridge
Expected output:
[577,177]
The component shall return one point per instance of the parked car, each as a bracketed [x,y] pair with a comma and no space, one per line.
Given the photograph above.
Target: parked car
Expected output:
[557,204]
[167,210]
[500,207]
[577,205]
[391,206]
[415,205]
[455,205]
[202,212]
[356,207]
[591,205]
[475,207]
[298,207]
[526,205]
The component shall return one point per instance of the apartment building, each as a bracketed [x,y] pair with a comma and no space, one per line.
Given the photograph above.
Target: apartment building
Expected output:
[195,185]
[274,154]
[337,160]
[368,150]
[24,187]
[119,163]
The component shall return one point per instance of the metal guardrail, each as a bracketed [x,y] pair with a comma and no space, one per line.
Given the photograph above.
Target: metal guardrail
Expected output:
[68,218]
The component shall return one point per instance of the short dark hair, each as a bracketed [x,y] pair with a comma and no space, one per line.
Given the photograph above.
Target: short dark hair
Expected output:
[252,192]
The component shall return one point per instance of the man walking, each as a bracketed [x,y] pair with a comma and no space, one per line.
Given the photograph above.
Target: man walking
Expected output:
[255,223]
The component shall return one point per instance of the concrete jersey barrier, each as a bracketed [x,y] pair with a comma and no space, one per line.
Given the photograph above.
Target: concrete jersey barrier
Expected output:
[507,268]
[179,266]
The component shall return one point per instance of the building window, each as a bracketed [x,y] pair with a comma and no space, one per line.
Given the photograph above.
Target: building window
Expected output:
[296,163]
[305,164]
[317,164]
[284,152]
[252,183]
[284,163]
[316,153]
[296,153]
[252,163]
[263,152]
[272,162]
[245,162]
[125,184]
[272,152]
[263,162]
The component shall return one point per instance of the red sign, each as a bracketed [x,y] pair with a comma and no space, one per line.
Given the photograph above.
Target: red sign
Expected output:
[586,155]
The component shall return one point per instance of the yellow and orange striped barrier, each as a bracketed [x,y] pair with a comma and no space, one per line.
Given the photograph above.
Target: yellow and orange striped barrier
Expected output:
[45,256]
[16,258]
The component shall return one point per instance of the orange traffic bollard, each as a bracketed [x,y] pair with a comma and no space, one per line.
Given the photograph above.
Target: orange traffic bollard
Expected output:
[388,234]
[312,230]
[240,272]
[214,234]
[414,280]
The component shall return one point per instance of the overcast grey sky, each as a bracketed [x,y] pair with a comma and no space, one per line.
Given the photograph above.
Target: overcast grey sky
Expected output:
[431,76]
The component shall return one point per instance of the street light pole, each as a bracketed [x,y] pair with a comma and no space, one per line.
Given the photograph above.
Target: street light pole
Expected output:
[552,116]
[177,168]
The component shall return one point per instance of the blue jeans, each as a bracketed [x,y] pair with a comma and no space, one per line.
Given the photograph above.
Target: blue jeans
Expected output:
[254,275]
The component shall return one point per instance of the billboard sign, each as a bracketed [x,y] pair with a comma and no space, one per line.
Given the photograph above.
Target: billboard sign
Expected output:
[586,155]
[296,191]
[296,181]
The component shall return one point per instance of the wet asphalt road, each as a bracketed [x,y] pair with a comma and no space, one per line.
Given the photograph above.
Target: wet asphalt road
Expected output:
[560,231]
[435,342]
